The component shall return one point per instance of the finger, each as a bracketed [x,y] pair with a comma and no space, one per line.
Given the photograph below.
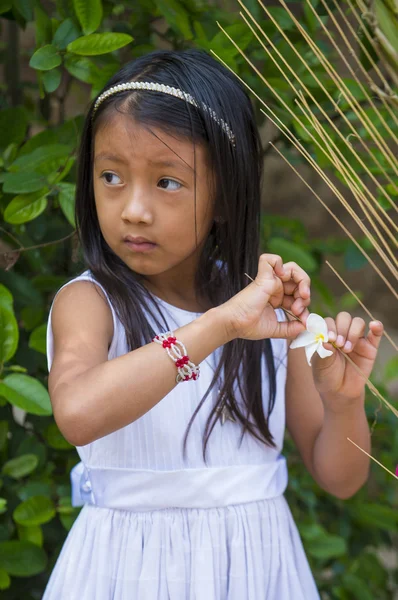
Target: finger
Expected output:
[275,261]
[265,270]
[375,334]
[287,329]
[332,329]
[299,305]
[299,276]
[356,331]
[343,323]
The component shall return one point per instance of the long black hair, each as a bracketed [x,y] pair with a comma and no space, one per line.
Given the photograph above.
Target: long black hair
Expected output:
[232,246]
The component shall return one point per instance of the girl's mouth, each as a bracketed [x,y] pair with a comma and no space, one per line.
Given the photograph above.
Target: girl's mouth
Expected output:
[140,246]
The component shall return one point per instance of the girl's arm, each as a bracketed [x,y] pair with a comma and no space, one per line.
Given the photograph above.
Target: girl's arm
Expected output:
[92,396]
[325,406]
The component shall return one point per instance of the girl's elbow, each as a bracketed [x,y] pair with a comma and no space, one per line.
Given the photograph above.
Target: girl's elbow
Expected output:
[73,427]
[347,491]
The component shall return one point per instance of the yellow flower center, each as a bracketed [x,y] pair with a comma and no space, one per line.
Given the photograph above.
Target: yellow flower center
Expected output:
[320,337]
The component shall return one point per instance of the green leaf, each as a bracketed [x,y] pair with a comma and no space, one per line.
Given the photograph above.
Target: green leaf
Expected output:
[310,18]
[391,369]
[375,515]
[43,26]
[25,8]
[65,506]
[22,559]
[32,316]
[34,511]
[33,534]
[66,33]
[35,488]
[3,505]
[5,580]
[26,207]
[176,16]
[26,393]
[66,134]
[9,334]
[282,17]
[55,439]
[5,6]
[67,201]
[99,43]
[81,67]
[354,259]
[43,160]
[13,125]
[388,27]
[6,299]
[289,251]
[358,587]
[23,183]
[326,546]
[45,58]
[51,80]
[37,340]
[89,13]
[17,369]
[20,466]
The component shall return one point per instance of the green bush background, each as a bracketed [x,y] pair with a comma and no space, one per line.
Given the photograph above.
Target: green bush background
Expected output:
[76,46]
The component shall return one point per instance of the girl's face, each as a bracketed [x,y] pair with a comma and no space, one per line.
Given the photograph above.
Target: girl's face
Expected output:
[144,187]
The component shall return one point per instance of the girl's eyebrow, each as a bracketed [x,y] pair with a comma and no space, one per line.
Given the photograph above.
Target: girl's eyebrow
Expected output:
[159,163]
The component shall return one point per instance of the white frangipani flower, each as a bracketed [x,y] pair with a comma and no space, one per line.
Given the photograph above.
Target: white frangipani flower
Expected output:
[314,338]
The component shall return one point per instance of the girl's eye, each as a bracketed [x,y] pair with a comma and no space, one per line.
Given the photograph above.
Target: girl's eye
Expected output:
[164,184]
[108,178]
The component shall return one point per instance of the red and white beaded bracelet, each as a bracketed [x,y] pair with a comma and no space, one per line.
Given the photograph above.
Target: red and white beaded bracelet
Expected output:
[176,350]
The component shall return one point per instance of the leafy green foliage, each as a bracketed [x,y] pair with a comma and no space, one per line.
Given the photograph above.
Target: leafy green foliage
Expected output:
[84,42]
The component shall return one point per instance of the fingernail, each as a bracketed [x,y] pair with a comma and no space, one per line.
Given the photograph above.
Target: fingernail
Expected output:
[340,340]
[331,335]
[347,346]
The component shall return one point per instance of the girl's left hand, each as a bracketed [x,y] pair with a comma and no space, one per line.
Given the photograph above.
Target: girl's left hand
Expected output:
[334,376]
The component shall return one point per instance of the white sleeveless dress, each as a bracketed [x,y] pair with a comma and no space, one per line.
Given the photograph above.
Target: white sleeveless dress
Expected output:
[160,526]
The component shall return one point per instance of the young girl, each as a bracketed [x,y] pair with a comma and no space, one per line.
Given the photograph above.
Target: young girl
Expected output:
[169,368]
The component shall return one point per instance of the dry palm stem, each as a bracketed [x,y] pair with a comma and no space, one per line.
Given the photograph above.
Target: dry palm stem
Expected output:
[337,193]
[369,57]
[370,385]
[309,158]
[353,188]
[353,214]
[364,205]
[372,457]
[393,344]
[351,50]
[320,172]
[356,107]
[334,76]
[345,140]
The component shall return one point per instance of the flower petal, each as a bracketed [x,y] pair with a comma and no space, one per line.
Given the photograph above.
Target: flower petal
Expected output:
[303,339]
[317,324]
[310,351]
[323,353]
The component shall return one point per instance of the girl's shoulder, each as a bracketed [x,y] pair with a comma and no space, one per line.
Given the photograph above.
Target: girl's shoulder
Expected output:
[78,308]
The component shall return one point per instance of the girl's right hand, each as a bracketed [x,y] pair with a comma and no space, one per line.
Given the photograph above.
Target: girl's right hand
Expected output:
[250,314]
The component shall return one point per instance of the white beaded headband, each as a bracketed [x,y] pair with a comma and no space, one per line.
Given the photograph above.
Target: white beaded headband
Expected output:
[165,89]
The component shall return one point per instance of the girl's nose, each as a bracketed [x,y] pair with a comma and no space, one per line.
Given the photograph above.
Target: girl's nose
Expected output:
[137,208]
